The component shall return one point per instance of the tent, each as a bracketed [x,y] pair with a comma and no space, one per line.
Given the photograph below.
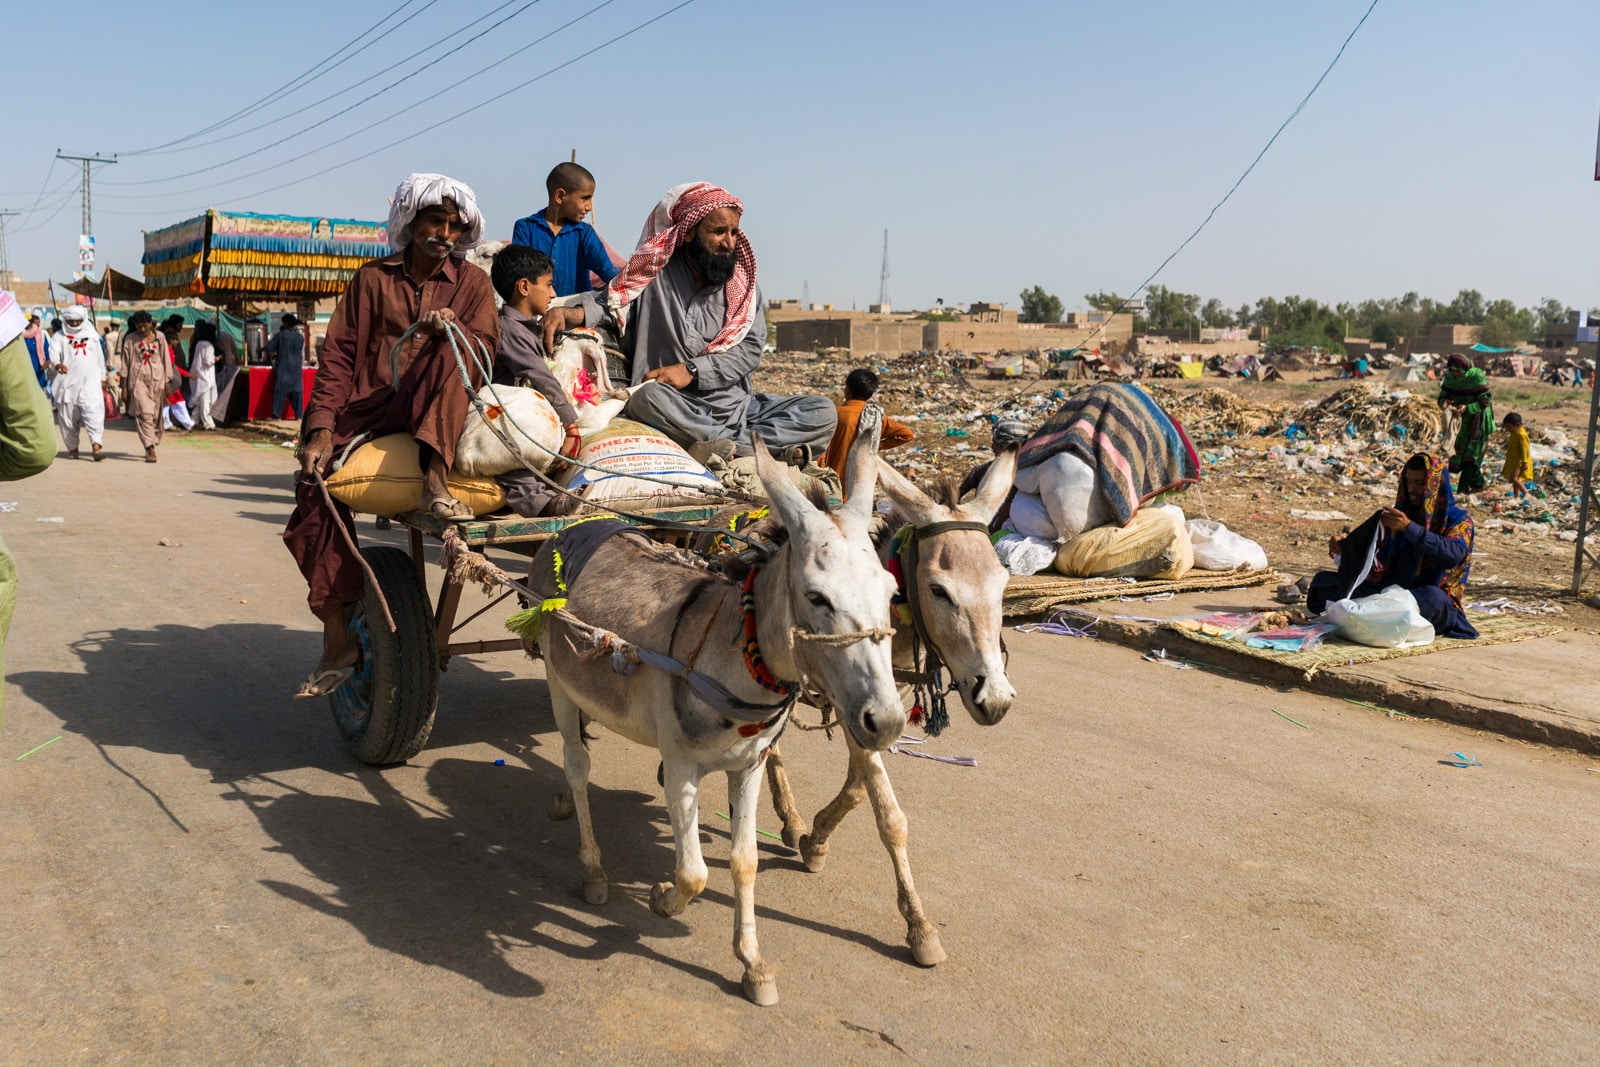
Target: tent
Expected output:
[113,286]
[225,256]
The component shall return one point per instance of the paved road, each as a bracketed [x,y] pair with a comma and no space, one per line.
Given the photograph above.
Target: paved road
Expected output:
[1147,866]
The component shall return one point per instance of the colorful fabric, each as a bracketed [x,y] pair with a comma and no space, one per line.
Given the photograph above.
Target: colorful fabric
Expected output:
[1519,456]
[1137,450]
[420,191]
[1468,389]
[1411,561]
[672,222]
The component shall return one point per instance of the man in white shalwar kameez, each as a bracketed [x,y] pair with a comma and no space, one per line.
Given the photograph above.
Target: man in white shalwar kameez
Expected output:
[78,366]
[202,374]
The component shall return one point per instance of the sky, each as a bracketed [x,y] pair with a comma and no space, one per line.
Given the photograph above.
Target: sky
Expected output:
[1068,145]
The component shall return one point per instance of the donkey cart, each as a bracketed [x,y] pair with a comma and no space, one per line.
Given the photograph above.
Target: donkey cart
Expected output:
[385,710]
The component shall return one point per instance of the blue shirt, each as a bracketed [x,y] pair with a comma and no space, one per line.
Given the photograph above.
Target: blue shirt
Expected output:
[287,349]
[575,251]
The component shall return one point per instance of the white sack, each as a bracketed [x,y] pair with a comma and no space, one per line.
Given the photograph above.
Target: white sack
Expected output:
[1023,556]
[1217,548]
[1066,486]
[525,417]
[1029,518]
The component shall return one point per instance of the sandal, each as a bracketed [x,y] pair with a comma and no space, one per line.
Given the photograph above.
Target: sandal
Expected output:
[99,453]
[450,509]
[321,683]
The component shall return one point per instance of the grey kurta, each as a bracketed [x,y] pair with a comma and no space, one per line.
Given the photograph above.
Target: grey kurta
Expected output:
[147,368]
[672,321]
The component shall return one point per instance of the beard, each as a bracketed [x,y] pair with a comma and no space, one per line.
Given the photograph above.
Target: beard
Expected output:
[715,269]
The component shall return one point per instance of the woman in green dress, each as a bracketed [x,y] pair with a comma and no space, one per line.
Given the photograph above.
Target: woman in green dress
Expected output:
[1466,388]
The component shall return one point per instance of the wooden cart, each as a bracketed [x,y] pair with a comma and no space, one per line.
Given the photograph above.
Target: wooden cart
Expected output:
[385,710]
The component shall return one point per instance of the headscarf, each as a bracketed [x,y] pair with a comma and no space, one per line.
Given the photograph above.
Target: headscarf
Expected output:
[12,322]
[670,224]
[1444,517]
[421,191]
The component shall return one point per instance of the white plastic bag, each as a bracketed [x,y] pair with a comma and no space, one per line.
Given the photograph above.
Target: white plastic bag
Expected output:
[1387,619]
[1067,488]
[1023,556]
[1217,548]
[524,416]
[1029,518]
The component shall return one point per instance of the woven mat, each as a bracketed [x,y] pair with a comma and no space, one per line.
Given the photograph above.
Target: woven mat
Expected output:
[1038,593]
[1337,652]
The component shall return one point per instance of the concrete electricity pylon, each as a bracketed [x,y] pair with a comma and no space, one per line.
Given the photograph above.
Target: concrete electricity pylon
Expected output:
[5,262]
[883,277]
[87,161]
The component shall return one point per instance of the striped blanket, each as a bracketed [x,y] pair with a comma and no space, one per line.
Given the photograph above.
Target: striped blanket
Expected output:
[1137,450]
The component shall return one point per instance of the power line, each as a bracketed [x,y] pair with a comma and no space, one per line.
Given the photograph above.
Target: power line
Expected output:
[88,162]
[354,85]
[346,110]
[291,85]
[410,108]
[41,193]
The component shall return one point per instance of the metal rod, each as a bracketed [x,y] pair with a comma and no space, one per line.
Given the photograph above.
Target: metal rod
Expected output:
[1586,497]
[460,625]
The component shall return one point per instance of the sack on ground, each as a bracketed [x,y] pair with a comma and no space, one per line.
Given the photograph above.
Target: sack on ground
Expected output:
[383,477]
[524,417]
[1387,619]
[623,449]
[1029,518]
[1023,556]
[1154,545]
[1217,548]
[1066,486]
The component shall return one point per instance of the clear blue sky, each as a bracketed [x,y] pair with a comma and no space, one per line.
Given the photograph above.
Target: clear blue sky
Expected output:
[1002,145]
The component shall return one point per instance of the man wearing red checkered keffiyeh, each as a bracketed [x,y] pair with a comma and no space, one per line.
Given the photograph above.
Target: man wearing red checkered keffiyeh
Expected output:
[688,311]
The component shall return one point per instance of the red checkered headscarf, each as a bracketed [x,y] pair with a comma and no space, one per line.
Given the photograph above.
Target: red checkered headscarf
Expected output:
[671,223]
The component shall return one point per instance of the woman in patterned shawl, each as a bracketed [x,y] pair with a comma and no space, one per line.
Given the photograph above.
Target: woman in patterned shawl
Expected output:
[1466,388]
[1424,546]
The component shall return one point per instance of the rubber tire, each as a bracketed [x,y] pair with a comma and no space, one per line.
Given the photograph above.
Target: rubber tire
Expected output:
[385,711]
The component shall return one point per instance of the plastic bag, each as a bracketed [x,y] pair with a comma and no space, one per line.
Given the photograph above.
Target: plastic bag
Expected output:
[1217,548]
[1387,619]
[1306,637]
[1023,556]
[1029,518]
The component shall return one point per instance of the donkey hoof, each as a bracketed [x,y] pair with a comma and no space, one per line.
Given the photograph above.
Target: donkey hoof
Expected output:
[664,900]
[792,835]
[926,948]
[596,890]
[812,853]
[760,988]
[561,807]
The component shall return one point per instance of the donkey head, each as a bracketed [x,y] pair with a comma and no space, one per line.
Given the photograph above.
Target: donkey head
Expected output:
[959,586]
[836,587]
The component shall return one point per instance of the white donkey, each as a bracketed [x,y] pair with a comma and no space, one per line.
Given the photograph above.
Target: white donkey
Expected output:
[736,657]
[955,586]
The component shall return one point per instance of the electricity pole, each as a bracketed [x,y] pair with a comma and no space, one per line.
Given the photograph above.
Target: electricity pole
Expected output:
[5,263]
[87,161]
[883,276]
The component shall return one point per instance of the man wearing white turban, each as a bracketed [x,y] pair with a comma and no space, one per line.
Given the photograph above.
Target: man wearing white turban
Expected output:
[433,221]
[78,365]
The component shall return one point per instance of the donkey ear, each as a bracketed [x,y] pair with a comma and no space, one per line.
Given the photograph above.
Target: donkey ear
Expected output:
[860,478]
[996,484]
[786,499]
[910,501]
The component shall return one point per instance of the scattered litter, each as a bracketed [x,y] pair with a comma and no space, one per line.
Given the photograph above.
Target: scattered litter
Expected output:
[1159,655]
[167,542]
[7,505]
[499,763]
[1462,760]
[52,518]
[1501,605]
[36,748]
[1063,622]
[1392,713]
[1318,516]
[955,761]
[287,444]
[759,830]
[1297,722]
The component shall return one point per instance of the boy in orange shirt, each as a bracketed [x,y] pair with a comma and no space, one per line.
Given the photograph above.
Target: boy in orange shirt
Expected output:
[859,386]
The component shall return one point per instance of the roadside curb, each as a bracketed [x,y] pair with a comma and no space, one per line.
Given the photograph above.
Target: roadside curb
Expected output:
[1530,722]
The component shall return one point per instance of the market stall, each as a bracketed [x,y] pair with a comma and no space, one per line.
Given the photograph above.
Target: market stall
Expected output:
[231,259]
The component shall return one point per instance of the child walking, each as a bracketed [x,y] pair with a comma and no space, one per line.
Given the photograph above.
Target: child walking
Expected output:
[1518,469]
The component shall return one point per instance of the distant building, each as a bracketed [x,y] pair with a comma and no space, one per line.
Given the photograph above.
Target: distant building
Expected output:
[1574,331]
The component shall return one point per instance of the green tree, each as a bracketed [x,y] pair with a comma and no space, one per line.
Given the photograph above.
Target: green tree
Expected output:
[1467,309]
[1548,312]
[1214,314]
[1103,301]
[1169,309]
[1039,306]
[1385,331]
[1496,332]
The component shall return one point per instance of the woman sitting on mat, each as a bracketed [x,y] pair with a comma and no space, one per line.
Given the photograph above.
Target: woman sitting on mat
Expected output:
[1424,544]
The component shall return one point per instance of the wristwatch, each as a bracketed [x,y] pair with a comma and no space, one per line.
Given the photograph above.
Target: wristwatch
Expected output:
[694,372]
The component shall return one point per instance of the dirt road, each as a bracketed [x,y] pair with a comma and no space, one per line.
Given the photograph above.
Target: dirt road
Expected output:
[1147,866]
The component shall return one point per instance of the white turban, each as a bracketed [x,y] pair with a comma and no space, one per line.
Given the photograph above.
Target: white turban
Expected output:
[421,191]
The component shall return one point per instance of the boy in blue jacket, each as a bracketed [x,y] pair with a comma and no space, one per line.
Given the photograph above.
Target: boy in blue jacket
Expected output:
[559,231]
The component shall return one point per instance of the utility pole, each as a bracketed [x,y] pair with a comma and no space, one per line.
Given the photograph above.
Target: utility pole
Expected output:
[805,295]
[5,263]
[87,161]
[883,278]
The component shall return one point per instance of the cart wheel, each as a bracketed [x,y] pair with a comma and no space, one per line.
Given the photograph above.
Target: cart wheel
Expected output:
[385,710]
